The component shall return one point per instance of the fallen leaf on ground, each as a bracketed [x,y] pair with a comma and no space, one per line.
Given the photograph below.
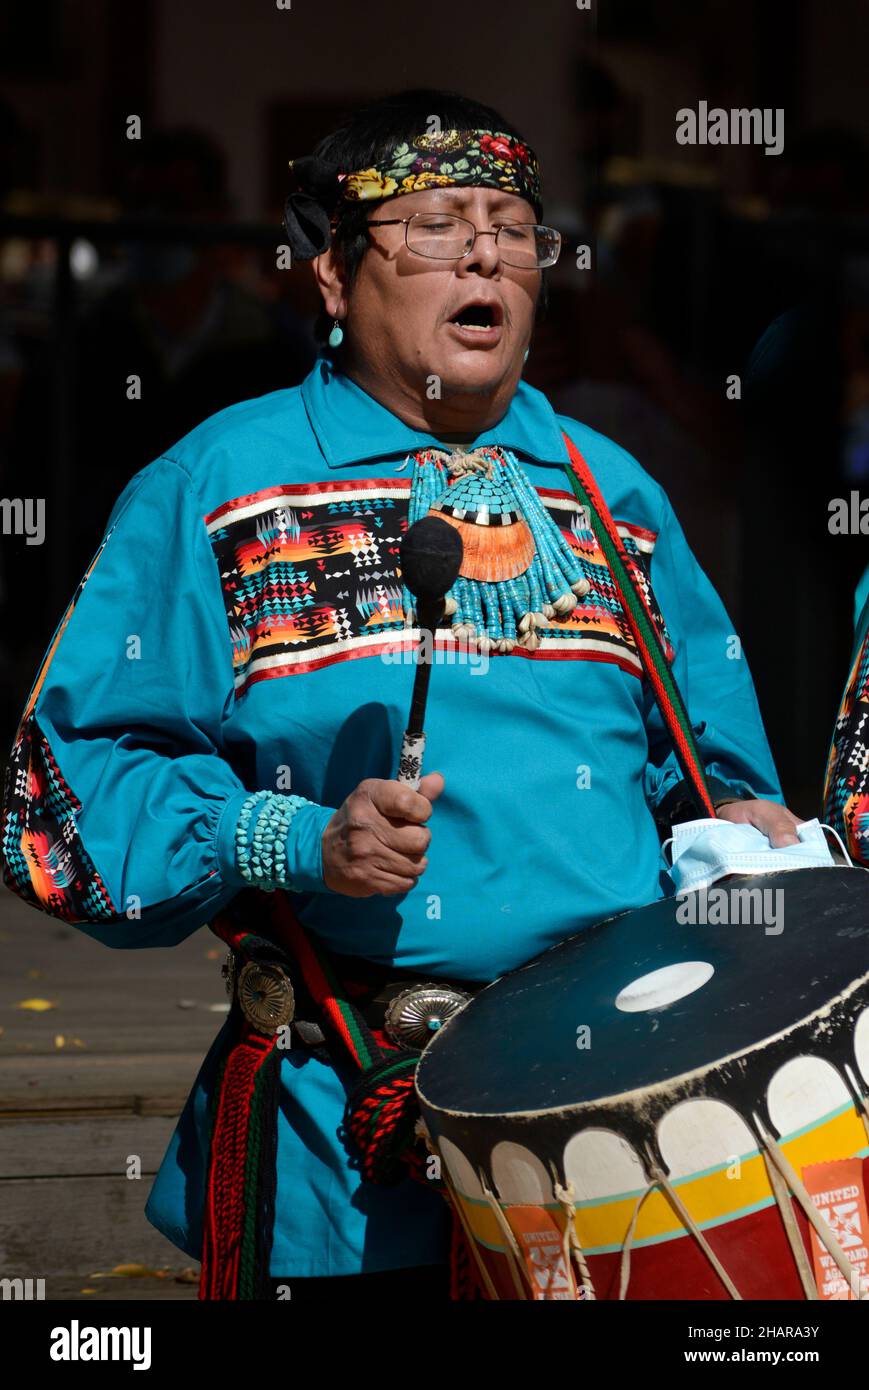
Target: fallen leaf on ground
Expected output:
[133,1271]
[59,1040]
[38,1006]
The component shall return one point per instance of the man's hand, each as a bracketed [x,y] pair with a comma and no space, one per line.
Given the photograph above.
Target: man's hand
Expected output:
[777,822]
[376,841]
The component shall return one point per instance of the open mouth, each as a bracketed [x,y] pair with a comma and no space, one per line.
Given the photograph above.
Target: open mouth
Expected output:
[479,315]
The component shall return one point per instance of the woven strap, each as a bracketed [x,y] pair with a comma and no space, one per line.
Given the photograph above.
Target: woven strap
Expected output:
[642,625]
[241,1180]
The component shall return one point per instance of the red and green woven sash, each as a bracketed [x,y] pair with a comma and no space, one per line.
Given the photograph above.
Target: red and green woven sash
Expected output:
[642,625]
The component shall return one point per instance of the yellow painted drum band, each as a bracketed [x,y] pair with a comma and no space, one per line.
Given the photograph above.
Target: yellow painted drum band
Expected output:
[711,1198]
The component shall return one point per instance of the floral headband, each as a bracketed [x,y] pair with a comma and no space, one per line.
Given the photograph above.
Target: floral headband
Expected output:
[481,158]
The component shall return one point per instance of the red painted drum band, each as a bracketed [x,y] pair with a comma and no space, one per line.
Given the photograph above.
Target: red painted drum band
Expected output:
[672,1104]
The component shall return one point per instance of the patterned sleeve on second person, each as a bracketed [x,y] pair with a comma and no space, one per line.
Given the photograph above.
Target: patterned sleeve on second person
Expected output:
[119,806]
[846,789]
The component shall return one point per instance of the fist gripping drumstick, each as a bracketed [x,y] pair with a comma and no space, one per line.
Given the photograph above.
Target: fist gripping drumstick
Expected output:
[431,556]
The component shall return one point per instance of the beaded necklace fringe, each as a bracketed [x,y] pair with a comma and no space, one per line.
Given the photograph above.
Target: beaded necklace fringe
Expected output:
[518,572]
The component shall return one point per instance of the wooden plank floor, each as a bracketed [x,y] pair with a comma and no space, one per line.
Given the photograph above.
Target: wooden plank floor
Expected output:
[100,1076]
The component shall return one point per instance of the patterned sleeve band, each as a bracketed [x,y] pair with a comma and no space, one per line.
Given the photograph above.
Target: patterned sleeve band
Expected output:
[261,838]
[846,790]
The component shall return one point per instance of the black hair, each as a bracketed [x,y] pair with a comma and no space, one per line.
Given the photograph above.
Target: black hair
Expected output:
[369,136]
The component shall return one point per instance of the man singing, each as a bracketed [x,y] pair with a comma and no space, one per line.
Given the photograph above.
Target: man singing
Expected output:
[219,717]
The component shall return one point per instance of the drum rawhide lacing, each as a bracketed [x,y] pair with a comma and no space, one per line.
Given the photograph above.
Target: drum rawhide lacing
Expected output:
[813,1216]
[572,1243]
[659,1179]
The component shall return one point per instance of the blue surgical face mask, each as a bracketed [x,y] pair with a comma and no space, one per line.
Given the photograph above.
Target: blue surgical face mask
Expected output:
[706,850]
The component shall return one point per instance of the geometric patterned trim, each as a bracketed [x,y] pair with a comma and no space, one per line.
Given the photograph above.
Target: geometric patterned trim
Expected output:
[44,860]
[846,789]
[310,576]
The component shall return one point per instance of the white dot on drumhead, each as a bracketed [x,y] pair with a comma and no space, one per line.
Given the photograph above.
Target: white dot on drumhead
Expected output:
[664,986]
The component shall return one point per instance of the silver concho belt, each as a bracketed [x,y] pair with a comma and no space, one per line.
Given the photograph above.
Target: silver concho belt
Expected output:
[411,1012]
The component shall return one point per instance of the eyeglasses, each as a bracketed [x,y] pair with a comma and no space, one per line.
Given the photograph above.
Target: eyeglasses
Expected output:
[443,237]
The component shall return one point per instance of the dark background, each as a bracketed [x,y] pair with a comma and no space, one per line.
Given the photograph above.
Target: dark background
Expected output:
[708,261]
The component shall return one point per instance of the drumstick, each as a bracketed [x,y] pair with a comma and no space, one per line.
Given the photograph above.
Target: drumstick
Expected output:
[431,556]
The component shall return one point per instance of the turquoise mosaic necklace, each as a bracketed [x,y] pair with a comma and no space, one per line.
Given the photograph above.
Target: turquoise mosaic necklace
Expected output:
[518,572]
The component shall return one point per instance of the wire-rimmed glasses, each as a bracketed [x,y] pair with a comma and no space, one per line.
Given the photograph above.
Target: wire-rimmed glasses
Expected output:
[442,236]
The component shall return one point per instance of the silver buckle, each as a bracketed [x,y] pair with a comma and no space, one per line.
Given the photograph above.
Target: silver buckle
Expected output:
[266,996]
[415,1015]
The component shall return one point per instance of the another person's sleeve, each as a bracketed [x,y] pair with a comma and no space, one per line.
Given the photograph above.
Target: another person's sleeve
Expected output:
[846,787]
[713,676]
[120,807]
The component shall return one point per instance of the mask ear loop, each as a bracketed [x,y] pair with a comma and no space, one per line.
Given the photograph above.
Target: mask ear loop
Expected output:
[838,838]
[667,842]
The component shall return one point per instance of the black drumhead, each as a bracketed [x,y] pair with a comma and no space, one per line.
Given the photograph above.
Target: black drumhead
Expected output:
[515,1047]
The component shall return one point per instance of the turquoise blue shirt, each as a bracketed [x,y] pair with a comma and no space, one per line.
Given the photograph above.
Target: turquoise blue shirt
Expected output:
[241,628]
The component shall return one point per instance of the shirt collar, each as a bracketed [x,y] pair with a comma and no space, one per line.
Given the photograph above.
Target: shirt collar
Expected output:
[351,427]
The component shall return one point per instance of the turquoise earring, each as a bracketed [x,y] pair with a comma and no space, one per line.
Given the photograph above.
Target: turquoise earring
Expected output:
[525,358]
[336,337]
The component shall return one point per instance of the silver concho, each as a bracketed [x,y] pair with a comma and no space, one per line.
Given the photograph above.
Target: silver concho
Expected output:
[266,996]
[416,1014]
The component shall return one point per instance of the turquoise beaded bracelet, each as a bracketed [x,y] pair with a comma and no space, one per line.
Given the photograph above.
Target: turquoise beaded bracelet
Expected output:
[261,838]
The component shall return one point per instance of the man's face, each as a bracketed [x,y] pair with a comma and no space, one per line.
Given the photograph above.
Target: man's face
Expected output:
[404,311]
